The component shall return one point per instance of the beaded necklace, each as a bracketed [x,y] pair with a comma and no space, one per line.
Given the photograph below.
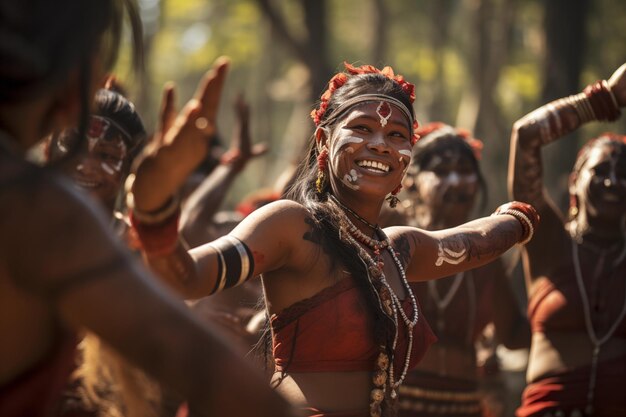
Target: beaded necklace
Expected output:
[390,304]
[595,340]
[441,303]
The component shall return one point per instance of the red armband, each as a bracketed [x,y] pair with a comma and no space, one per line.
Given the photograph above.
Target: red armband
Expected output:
[525,214]
[602,101]
[156,239]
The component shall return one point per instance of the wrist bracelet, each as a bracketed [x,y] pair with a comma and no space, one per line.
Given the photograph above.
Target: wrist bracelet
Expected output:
[152,217]
[602,101]
[156,239]
[525,214]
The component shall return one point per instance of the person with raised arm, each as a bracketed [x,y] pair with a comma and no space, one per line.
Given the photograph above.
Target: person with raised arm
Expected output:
[575,268]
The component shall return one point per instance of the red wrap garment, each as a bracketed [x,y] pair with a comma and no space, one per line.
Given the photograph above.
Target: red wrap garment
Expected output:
[37,392]
[556,306]
[333,332]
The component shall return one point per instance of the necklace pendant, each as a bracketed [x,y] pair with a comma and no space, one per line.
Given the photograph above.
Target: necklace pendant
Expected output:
[375,271]
[393,394]
[596,352]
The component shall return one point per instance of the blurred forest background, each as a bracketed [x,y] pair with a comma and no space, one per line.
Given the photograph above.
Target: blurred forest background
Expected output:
[477,64]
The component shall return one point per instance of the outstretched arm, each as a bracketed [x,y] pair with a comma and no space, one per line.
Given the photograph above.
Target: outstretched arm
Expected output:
[154,212]
[89,280]
[600,101]
[435,254]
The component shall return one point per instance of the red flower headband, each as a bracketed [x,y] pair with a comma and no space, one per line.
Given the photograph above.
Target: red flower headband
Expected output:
[475,144]
[339,79]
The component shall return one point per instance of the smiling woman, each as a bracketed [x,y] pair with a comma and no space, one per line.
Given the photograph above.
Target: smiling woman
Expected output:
[346,327]
[115,136]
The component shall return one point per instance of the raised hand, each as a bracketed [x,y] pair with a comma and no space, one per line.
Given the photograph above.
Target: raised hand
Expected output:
[617,83]
[241,149]
[181,141]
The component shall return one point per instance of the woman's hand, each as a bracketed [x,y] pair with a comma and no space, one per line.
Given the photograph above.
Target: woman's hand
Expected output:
[617,84]
[241,150]
[180,143]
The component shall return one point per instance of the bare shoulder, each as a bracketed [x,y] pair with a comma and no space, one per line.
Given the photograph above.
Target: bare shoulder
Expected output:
[282,232]
[288,208]
[279,216]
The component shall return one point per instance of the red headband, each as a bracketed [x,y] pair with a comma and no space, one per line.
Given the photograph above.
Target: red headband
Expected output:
[339,79]
[475,144]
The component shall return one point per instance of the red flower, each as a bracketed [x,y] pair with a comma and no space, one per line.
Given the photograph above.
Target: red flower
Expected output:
[475,144]
[339,79]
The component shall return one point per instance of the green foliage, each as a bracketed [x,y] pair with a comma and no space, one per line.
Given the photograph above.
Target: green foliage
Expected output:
[433,43]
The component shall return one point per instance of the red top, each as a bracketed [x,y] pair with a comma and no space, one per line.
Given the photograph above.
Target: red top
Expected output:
[333,332]
[37,392]
[556,305]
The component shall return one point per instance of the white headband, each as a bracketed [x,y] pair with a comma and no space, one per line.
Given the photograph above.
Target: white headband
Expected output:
[363,98]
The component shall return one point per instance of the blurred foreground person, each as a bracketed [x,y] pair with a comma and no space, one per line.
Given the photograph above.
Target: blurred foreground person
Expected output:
[61,269]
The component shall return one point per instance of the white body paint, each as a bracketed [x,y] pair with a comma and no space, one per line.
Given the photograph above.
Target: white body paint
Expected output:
[107,168]
[405,153]
[449,256]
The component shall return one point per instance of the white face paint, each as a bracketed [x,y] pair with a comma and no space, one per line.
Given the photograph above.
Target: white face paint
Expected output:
[350,179]
[431,182]
[337,148]
[449,256]
[107,168]
[452,178]
[405,153]
[91,143]
[337,145]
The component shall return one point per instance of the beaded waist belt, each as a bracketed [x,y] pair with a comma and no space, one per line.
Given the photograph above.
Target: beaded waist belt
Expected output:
[439,401]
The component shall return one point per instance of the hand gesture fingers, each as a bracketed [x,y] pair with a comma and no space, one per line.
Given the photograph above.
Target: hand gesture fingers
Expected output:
[208,95]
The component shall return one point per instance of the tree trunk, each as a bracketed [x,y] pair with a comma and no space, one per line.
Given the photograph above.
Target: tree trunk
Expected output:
[565,35]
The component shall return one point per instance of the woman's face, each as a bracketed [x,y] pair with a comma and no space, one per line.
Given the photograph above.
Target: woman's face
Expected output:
[446,186]
[370,149]
[601,183]
[101,166]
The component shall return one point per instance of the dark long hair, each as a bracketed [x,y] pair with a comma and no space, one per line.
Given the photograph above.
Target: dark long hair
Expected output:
[43,41]
[326,218]
[118,108]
